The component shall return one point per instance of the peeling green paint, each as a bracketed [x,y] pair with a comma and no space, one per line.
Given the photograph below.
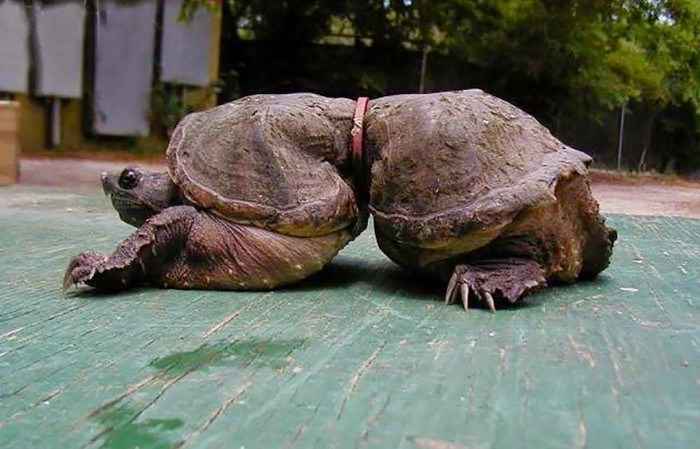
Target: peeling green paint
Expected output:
[254,352]
[122,430]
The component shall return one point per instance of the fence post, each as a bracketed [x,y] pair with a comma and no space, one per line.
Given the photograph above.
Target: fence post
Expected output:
[9,142]
[423,69]
[621,136]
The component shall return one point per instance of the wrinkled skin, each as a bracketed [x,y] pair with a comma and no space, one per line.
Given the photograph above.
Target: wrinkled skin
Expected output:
[260,193]
[138,195]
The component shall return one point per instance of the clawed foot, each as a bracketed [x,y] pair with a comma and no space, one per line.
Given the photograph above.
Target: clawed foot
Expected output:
[503,279]
[93,269]
[82,269]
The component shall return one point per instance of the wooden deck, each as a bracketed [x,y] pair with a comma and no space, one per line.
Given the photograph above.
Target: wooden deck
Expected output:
[359,356]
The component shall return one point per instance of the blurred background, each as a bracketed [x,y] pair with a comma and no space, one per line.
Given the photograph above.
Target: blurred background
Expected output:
[619,79]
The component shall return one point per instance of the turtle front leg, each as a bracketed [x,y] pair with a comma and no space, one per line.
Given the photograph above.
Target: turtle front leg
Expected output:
[139,258]
[181,247]
[484,280]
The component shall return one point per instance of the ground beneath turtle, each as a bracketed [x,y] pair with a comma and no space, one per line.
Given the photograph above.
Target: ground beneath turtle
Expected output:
[634,195]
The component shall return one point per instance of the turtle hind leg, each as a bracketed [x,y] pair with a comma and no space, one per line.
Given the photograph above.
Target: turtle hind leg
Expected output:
[491,280]
[598,249]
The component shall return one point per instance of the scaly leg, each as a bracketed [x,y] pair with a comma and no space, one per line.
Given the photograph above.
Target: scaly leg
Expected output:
[139,258]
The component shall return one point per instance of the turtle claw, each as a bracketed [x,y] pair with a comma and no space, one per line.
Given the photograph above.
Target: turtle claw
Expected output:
[507,279]
[96,270]
[82,269]
[464,290]
[451,292]
[463,293]
[489,302]
[462,285]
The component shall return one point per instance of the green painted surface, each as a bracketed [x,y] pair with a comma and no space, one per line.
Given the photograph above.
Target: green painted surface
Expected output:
[360,356]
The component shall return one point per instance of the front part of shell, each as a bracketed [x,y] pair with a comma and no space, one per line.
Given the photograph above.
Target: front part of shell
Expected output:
[271,161]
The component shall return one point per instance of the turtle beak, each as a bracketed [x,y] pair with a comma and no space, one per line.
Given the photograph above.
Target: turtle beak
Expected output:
[108,183]
[103,180]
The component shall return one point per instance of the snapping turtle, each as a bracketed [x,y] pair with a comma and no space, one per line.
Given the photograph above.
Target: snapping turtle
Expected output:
[261,192]
[257,195]
[469,188]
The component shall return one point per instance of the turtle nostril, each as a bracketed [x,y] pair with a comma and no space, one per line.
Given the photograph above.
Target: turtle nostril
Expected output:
[128,179]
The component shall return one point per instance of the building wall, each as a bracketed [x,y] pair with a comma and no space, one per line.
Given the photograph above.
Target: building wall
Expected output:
[44,78]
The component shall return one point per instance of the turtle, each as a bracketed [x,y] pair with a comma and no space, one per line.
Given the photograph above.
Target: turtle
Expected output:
[257,194]
[467,188]
[264,191]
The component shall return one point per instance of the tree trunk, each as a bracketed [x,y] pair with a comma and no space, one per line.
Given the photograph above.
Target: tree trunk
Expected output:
[650,114]
[423,69]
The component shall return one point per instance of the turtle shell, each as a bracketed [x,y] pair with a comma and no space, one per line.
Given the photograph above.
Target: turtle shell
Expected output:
[453,164]
[269,161]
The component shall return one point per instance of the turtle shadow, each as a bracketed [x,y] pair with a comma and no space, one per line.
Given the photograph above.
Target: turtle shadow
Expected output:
[338,274]
[94,294]
[385,278]
[408,284]
[388,279]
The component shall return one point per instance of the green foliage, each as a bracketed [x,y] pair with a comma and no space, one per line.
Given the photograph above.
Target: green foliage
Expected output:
[167,105]
[189,7]
[600,53]
[580,58]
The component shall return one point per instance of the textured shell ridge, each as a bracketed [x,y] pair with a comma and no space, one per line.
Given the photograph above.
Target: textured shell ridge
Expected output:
[248,161]
[474,165]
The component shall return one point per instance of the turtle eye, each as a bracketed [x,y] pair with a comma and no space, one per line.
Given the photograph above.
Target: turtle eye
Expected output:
[128,179]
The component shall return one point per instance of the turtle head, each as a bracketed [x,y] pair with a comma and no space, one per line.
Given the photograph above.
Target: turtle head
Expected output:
[137,194]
